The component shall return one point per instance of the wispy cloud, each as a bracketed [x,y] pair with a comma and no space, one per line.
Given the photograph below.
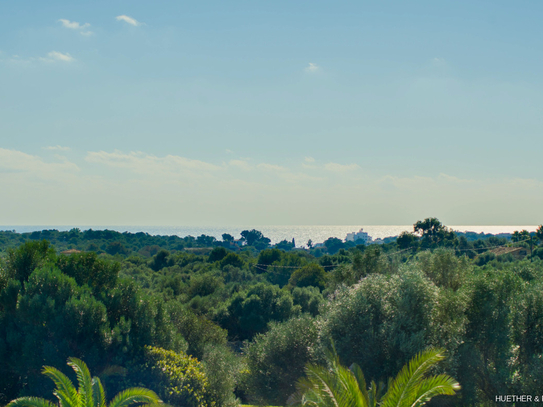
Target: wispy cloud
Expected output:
[17,161]
[54,56]
[151,165]
[129,20]
[74,25]
[312,67]
[272,167]
[242,165]
[335,167]
[309,163]
[57,148]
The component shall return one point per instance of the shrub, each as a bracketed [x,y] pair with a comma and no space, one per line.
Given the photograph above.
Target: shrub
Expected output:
[276,360]
[222,370]
[177,378]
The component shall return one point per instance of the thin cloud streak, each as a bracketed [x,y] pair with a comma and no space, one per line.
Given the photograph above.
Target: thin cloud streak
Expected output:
[335,167]
[58,56]
[57,148]
[74,25]
[129,20]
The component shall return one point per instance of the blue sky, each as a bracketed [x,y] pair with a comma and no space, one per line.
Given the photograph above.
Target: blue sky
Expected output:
[283,112]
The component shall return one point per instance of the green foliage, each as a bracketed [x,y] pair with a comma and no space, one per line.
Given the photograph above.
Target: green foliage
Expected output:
[390,315]
[407,240]
[52,317]
[177,378]
[269,256]
[232,259]
[28,257]
[276,359]
[249,312]
[255,238]
[88,269]
[338,386]
[285,245]
[434,233]
[222,368]
[160,260]
[489,344]
[308,298]
[539,233]
[83,305]
[198,331]
[444,268]
[90,392]
[217,254]
[226,237]
[310,275]
[333,244]
[117,248]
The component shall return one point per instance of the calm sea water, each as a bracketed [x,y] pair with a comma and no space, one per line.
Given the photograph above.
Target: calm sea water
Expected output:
[301,234]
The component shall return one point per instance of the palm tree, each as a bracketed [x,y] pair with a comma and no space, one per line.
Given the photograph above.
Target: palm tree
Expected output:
[90,393]
[339,386]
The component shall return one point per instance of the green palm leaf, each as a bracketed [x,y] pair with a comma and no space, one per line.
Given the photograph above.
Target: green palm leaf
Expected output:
[85,381]
[134,395]
[402,389]
[434,386]
[99,395]
[338,386]
[361,380]
[90,393]
[30,402]
[65,391]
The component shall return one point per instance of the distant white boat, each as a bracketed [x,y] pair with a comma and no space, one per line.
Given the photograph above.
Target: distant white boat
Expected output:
[360,235]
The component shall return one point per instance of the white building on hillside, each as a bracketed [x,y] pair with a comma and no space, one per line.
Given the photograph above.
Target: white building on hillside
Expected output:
[360,235]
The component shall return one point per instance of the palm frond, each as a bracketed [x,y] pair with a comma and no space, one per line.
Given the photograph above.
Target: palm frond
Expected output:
[134,395]
[433,386]
[350,394]
[320,384]
[359,375]
[85,381]
[99,395]
[30,402]
[375,393]
[402,387]
[65,390]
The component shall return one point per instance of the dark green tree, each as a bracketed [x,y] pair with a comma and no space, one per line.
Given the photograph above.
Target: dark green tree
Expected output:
[333,244]
[249,312]
[27,257]
[227,238]
[310,275]
[407,240]
[217,254]
[434,233]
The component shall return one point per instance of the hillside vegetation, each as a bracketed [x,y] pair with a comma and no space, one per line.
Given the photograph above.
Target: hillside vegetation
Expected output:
[209,323]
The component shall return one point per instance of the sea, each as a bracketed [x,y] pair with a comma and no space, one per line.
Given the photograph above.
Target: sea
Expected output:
[300,233]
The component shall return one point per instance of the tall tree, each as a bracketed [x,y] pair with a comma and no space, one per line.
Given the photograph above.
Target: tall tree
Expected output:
[434,233]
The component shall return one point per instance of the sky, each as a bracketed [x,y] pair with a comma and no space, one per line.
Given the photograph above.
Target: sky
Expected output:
[277,112]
